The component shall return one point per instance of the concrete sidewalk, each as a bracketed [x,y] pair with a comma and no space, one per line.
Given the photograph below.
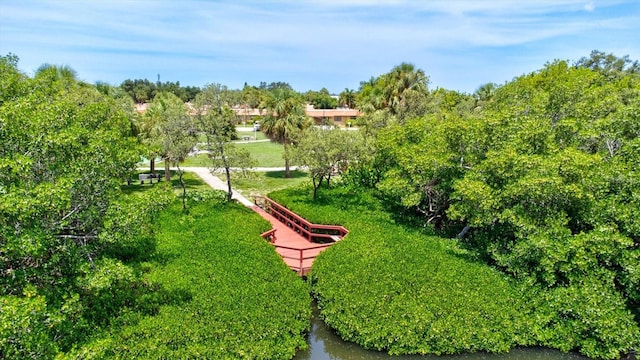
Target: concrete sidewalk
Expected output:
[217,184]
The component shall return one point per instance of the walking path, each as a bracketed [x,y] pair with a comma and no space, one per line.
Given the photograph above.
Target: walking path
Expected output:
[218,184]
[296,251]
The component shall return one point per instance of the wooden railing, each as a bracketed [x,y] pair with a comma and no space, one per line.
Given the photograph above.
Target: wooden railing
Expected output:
[269,235]
[312,232]
[300,258]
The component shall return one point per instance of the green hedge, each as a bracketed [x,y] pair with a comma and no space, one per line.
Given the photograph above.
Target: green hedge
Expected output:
[395,288]
[391,288]
[223,292]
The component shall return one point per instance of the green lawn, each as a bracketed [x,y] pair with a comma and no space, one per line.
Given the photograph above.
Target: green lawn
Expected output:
[267,154]
[192,181]
[258,134]
[262,183]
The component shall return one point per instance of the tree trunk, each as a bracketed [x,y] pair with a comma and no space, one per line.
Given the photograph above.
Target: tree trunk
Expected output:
[167,170]
[227,173]
[229,191]
[464,232]
[152,164]
[316,186]
[287,173]
[184,189]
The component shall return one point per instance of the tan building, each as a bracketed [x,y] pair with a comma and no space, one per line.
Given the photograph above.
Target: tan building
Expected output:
[340,117]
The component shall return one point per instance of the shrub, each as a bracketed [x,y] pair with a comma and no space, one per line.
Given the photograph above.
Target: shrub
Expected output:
[392,288]
[23,328]
[128,224]
[226,293]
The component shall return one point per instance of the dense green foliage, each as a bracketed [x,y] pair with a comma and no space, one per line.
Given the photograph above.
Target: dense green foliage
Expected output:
[401,93]
[328,152]
[541,178]
[143,90]
[389,287]
[224,292]
[392,287]
[321,99]
[66,231]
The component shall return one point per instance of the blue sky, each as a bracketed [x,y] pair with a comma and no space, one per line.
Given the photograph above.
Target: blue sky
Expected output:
[460,44]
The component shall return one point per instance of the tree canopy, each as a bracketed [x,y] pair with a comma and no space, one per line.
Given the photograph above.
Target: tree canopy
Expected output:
[65,230]
[215,119]
[543,179]
[284,119]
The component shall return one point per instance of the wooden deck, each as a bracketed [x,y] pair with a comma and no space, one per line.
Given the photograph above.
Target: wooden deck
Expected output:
[293,237]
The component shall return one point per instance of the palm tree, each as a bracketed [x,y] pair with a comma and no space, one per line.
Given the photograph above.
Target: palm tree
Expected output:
[284,119]
[165,108]
[348,98]
[403,81]
[63,76]
[485,93]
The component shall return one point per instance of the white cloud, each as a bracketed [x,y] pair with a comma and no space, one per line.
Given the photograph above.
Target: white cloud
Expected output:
[590,6]
[256,39]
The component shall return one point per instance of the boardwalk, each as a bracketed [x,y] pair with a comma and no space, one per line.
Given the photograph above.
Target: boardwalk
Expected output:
[297,252]
[297,240]
[294,236]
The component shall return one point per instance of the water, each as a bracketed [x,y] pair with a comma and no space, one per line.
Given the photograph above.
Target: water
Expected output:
[324,344]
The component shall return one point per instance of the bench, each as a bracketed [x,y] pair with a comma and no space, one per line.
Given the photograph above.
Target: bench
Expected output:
[150,177]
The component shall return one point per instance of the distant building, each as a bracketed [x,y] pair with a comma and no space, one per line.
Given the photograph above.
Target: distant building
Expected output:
[340,117]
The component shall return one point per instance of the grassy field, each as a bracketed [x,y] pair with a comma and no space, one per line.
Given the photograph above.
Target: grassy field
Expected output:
[267,154]
[258,134]
[262,183]
[192,182]
[241,134]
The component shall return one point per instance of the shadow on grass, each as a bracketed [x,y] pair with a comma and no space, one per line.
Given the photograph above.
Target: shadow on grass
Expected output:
[188,182]
[191,182]
[295,174]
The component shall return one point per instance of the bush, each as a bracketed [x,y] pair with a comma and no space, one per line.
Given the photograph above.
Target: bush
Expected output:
[23,328]
[128,224]
[226,293]
[391,288]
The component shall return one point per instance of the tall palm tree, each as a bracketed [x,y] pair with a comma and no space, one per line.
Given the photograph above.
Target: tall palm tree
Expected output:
[164,108]
[284,119]
[347,98]
[57,76]
[403,81]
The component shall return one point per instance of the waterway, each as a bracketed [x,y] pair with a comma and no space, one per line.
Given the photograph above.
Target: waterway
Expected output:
[324,344]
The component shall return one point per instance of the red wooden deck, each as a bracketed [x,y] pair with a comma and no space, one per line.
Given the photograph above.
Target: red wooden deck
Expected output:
[292,235]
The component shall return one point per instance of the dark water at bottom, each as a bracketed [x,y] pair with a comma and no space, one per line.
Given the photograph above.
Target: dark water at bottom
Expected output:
[324,344]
